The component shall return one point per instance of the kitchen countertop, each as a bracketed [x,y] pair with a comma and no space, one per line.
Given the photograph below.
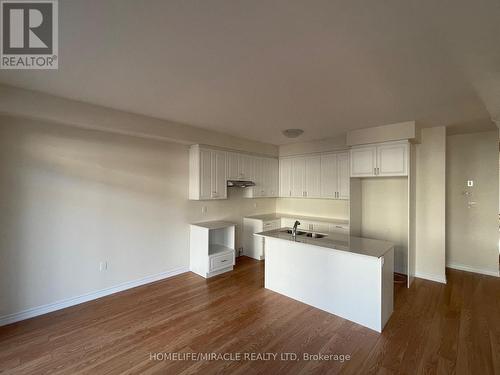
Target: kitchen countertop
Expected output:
[336,241]
[215,224]
[276,216]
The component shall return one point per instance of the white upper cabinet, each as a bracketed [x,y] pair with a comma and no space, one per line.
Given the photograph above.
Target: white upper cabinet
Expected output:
[205,160]
[392,159]
[318,176]
[343,188]
[271,177]
[219,180]
[285,168]
[312,177]
[298,176]
[363,161]
[210,169]
[207,174]
[329,175]
[259,190]
[233,171]
[246,163]
[265,177]
[384,159]
[239,166]
[335,176]
[274,186]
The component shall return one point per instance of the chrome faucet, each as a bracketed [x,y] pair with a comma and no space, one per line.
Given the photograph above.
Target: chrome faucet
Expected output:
[294,229]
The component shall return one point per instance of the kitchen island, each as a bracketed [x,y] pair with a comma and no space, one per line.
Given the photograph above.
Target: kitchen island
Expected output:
[348,276]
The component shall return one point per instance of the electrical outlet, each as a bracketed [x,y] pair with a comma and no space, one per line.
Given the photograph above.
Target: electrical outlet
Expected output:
[470,183]
[204,210]
[103,266]
[254,204]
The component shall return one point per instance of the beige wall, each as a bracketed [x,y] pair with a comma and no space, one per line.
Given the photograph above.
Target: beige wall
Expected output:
[71,198]
[384,214]
[472,233]
[430,215]
[326,208]
[31,104]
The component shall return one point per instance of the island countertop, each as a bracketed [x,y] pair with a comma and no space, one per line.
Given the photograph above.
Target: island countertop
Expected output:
[335,241]
[278,215]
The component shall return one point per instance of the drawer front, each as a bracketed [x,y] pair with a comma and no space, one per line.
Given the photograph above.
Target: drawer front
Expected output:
[221,261]
[339,228]
[271,225]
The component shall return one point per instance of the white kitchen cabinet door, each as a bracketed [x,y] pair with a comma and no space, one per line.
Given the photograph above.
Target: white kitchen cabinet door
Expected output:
[285,170]
[233,172]
[298,177]
[363,161]
[273,178]
[343,179]
[205,173]
[313,177]
[219,181]
[246,165]
[262,178]
[392,159]
[239,166]
[329,175]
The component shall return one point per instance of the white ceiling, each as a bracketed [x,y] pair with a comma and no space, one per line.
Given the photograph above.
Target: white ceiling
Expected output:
[252,68]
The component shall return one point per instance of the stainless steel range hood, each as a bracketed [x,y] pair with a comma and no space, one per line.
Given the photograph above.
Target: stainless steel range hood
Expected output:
[241,184]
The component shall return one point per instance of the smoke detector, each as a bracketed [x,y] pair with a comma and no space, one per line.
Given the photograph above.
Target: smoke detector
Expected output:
[292,133]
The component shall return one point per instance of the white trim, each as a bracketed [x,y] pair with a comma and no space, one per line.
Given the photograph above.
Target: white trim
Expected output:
[44,309]
[437,278]
[463,267]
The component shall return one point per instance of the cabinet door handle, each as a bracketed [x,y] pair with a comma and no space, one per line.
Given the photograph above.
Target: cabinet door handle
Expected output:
[378,170]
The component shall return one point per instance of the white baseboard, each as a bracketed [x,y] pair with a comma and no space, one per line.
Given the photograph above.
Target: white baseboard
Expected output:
[463,267]
[44,309]
[426,276]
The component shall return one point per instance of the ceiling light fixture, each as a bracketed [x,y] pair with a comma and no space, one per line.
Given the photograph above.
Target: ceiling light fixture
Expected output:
[292,133]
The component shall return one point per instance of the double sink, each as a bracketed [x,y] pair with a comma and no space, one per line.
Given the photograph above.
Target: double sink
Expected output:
[307,234]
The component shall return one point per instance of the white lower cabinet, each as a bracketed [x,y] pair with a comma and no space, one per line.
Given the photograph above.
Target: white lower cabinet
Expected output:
[316,225]
[221,261]
[253,246]
[211,248]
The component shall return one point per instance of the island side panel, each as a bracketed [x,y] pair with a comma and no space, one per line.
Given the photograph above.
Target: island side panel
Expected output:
[345,284]
[387,286]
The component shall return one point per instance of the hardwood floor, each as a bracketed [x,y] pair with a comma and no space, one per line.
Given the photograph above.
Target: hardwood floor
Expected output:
[435,328]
